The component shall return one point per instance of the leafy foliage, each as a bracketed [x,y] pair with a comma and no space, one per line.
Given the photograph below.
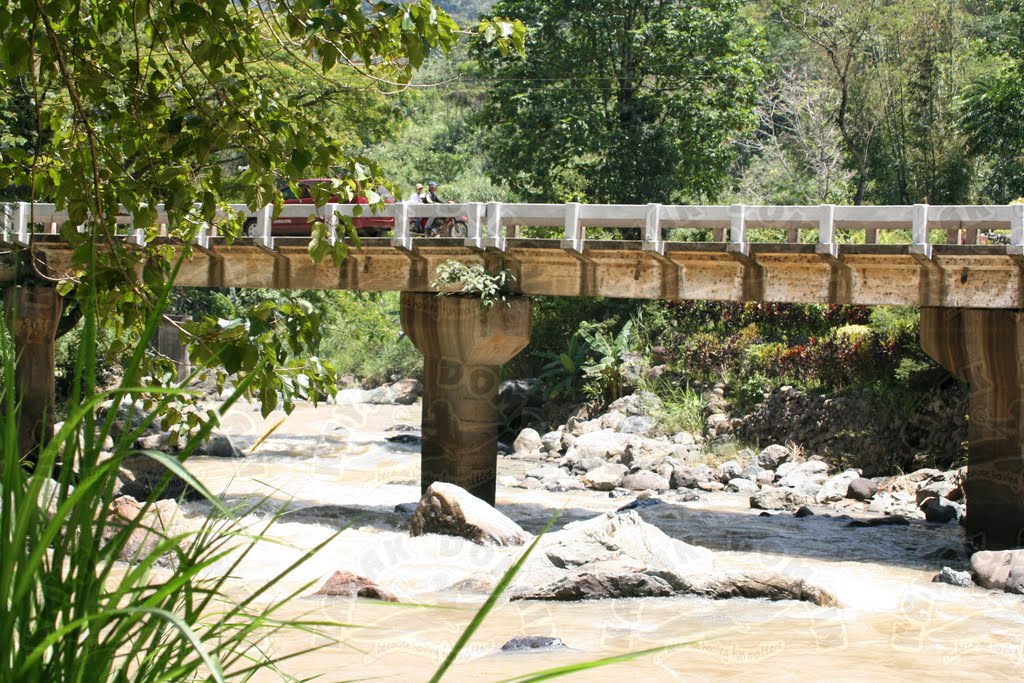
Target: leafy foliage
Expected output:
[620,100]
[474,281]
[191,105]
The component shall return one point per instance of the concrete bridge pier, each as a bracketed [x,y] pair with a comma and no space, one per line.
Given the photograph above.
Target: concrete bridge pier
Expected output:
[463,347]
[33,314]
[985,347]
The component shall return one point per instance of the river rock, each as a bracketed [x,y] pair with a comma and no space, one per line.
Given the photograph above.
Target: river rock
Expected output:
[835,488]
[219,445]
[803,476]
[533,643]
[1000,569]
[610,544]
[740,485]
[954,578]
[451,510]
[638,424]
[764,585]
[48,497]
[528,441]
[765,477]
[551,441]
[403,392]
[778,499]
[604,443]
[729,469]
[689,477]
[771,457]
[803,511]
[888,520]
[349,585]
[606,477]
[162,520]
[639,403]
[646,454]
[947,485]
[656,584]
[861,489]
[644,480]
[140,475]
[940,510]
[684,439]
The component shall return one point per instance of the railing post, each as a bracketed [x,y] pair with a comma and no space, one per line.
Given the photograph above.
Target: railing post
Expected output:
[919,240]
[653,239]
[402,237]
[20,223]
[495,236]
[331,221]
[827,245]
[264,226]
[738,230]
[573,239]
[475,238]
[1016,246]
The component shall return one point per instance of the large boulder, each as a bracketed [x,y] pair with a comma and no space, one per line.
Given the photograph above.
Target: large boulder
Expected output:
[654,584]
[771,457]
[606,477]
[643,480]
[861,489]
[349,585]
[612,542]
[940,510]
[603,443]
[451,510]
[778,499]
[690,477]
[1000,569]
[528,441]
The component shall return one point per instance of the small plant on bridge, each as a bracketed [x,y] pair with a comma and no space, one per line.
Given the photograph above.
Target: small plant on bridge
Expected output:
[475,281]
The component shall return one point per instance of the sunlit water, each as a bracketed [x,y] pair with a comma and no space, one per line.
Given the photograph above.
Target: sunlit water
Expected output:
[331,469]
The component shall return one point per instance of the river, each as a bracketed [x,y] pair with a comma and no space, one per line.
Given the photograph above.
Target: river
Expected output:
[331,468]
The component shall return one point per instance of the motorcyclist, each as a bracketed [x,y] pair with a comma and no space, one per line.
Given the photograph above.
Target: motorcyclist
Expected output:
[431,196]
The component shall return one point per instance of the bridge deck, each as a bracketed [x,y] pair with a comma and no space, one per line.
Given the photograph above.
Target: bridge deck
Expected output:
[917,273]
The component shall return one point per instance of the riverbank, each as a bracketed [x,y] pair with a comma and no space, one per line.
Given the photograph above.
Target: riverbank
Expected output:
[335,469]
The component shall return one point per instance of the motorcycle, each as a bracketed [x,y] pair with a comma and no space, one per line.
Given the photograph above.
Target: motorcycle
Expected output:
[449,226]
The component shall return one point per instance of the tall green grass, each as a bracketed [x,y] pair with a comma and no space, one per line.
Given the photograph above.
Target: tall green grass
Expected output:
[72,610]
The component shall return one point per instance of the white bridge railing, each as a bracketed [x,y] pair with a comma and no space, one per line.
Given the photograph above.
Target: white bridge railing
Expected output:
[491,225]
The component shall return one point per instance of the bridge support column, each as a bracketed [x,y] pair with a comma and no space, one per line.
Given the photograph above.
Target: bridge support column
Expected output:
[33,313]
[463,346]
[985,347]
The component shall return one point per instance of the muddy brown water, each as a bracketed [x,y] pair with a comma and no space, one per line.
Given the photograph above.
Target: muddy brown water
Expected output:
[332,468]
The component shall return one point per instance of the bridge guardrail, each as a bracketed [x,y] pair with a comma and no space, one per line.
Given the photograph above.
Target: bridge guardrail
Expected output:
[491,225]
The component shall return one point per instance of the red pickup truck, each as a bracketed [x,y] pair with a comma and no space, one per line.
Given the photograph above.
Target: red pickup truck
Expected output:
[367,225]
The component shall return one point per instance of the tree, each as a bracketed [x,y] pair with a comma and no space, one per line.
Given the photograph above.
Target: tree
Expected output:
[621,100]
[894,73]
[993,108]
[135,104]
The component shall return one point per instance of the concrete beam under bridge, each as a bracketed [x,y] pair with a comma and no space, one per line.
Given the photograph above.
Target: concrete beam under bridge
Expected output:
[463,346]
[985,348]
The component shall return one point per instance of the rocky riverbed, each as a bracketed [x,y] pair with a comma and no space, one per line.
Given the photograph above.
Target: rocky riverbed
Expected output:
[764,560]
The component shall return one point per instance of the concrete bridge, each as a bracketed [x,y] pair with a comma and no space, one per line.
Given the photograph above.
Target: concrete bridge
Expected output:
[962,265]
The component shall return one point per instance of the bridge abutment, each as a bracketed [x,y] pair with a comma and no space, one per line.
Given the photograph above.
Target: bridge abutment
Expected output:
[463,347]
[985,347]
[33,314]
